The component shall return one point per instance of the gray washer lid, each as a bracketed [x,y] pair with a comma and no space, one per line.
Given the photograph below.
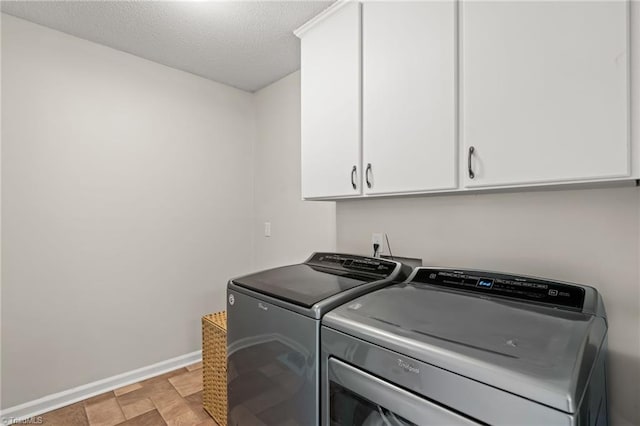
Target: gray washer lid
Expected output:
[540,353]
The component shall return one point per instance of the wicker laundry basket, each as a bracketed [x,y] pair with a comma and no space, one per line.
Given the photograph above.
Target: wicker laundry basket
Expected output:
[214,366]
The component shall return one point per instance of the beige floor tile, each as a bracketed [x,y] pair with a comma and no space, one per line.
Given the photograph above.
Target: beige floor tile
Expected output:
[187,383]
[70,415]
[156,388]
[166,397]
[187,419]
[152,418]
[98,398]
[209,422]
[134,407]
[170,405]
[104,413]
[173,398]
[195,403]
[164,377]
[127,389]
[195,366]
[148,390]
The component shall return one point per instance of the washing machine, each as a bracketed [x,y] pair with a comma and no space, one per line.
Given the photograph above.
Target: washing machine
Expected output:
[462,347]
[273,333]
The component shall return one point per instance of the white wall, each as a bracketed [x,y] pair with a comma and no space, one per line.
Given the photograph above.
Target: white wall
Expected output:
[126,207]
[583,236]
[298,228]
[131,193]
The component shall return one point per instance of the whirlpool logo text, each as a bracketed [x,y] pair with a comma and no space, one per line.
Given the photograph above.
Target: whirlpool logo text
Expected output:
[408,367]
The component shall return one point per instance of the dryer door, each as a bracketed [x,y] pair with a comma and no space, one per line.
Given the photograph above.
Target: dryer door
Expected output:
[357,398]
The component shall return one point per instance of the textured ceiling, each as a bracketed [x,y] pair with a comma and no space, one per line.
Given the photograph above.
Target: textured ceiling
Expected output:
[245,44]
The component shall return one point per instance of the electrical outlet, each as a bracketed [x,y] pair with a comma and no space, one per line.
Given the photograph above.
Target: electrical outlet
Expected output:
[378,238]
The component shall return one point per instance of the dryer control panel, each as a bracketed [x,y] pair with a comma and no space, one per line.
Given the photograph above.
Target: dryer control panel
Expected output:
[348,262]
[510,286]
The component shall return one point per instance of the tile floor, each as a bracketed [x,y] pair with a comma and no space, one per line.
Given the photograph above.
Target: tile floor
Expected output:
[174,398]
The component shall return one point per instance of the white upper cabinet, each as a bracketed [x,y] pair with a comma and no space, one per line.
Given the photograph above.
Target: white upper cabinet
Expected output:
[331,119]
[544,91]
[409,96]
[402,97]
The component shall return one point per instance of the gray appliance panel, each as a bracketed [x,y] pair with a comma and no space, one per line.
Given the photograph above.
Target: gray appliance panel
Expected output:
[537,352]
[318,310]
[476,400]
[302,284]
[593,303]
[320,283]
[392,398]
[272,364]
[232,287]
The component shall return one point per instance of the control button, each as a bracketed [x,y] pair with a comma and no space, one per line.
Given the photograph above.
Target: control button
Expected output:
[553,292]
[485,283]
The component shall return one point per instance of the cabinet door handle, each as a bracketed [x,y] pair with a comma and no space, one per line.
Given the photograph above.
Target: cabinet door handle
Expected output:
[366,175]
[353,177]
[471,174]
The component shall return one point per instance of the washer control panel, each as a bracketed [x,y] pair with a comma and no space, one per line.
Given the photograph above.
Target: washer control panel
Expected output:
[511,286]
[353,263]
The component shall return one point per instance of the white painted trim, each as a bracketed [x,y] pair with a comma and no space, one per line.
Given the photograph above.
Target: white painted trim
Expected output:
[299,32]
[551,186]
[71,396]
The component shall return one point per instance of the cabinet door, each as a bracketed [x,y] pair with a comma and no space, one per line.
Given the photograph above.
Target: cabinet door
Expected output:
[331,105]
[409,90]
[544,91]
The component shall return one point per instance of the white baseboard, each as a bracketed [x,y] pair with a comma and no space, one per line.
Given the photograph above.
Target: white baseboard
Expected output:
[70,396]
